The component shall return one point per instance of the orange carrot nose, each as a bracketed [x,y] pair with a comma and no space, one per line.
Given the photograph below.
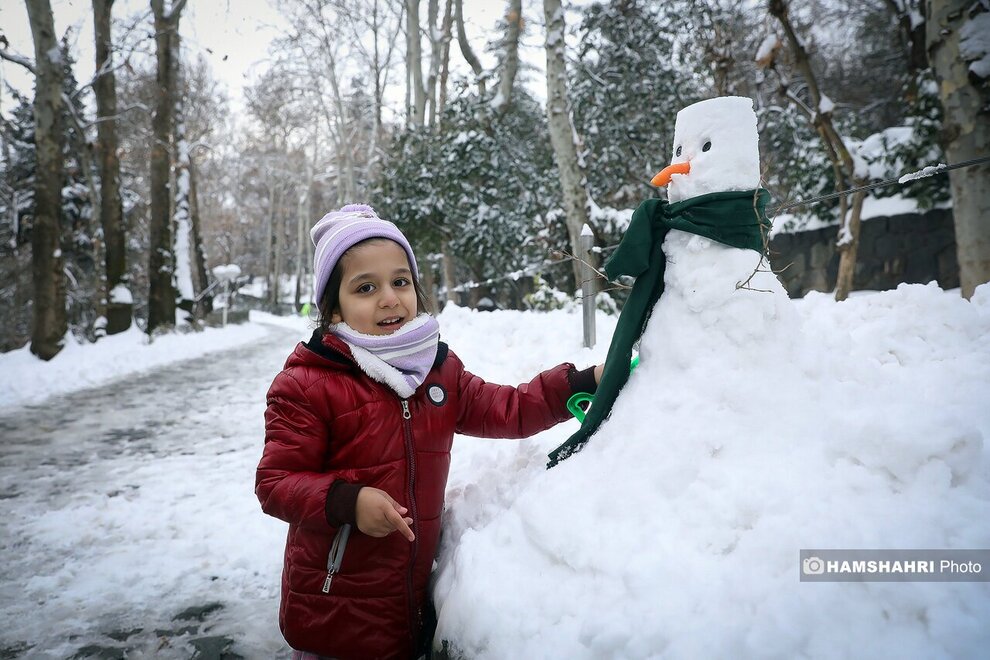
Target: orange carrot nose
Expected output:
[663,176]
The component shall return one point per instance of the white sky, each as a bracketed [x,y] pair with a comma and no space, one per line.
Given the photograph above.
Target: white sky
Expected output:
[240,30]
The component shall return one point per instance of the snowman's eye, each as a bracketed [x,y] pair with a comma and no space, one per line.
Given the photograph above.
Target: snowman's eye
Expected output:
[707,147]
[678,152]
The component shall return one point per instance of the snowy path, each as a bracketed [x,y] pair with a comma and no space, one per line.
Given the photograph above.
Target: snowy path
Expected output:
[127,517]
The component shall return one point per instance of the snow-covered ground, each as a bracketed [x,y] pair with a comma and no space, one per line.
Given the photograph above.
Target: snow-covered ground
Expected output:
[77,366]
[125,507]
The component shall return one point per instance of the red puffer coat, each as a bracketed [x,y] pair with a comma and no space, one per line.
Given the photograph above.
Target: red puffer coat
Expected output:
[325,421]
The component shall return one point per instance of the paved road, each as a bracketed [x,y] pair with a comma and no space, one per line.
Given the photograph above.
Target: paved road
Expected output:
[106,545]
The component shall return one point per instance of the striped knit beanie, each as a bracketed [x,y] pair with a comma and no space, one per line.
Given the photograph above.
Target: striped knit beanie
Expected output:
[338,231]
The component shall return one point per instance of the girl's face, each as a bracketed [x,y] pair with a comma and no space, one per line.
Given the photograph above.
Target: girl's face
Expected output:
[377,296]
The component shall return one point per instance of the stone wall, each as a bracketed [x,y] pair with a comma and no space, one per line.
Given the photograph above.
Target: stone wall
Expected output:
[913,247]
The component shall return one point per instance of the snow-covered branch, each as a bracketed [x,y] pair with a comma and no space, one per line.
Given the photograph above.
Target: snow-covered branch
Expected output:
[18,59]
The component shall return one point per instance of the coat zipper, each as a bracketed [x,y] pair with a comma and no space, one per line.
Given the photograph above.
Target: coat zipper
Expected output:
[411,462]
[336,556]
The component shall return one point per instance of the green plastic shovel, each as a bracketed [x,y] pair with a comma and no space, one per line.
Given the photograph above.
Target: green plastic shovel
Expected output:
[576,404]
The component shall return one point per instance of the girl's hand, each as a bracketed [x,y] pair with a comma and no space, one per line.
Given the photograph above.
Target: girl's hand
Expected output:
[379,515]
[598,373]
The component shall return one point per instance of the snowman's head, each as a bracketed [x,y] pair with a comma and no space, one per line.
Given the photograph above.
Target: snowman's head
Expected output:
[716,148]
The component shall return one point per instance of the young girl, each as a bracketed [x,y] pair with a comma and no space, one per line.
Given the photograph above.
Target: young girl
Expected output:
[358,432]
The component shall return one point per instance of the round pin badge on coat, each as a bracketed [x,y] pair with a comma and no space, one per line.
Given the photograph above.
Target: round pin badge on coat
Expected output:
[436,394]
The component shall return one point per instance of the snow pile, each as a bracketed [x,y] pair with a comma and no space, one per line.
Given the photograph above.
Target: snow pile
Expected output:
[510,346]
[28,379]
[755,426]
[719,138]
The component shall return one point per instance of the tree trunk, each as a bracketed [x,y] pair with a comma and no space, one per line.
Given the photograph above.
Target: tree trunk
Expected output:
[274,261]
[436,44]
[510,62]
[302,215]
[49,324]
[965,133]
[563,133]
[279,249]
[848,246]
[161,266]
[202,278]
[466,48]
[378,71]
[119,308]
[448,20]
[376,68]
[182,222]
[408,85]
[300,246]
[315,213]
[428,284]
[912,32]
[843,167]
[414,63]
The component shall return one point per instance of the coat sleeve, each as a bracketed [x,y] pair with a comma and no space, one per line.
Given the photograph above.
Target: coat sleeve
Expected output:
[500,411]
[288,482]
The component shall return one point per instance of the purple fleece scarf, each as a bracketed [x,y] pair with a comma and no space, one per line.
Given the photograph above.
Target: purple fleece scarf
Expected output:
[400,360]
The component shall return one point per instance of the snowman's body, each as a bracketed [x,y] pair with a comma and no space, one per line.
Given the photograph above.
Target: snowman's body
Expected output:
[717,290]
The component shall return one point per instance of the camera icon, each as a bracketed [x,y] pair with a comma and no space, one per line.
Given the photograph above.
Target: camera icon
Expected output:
[813,566]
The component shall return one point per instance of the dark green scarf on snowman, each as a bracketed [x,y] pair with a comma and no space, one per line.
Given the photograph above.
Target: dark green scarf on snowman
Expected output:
[737,219]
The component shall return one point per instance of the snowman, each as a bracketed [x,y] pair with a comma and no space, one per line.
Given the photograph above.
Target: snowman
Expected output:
[702,252]
[739,440]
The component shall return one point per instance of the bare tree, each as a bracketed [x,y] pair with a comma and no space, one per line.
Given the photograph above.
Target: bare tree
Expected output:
[466,51]
[202,278]
[161,260]
[316,24]
[510,58]
[279,171]
[49,323]
[819,112]
[563,133]
[953,42]
[383,23]
[119,307]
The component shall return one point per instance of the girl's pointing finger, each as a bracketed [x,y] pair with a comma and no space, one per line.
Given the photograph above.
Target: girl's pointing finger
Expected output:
[401,525]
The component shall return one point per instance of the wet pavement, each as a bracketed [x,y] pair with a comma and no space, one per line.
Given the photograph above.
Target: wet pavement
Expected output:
[96,448]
